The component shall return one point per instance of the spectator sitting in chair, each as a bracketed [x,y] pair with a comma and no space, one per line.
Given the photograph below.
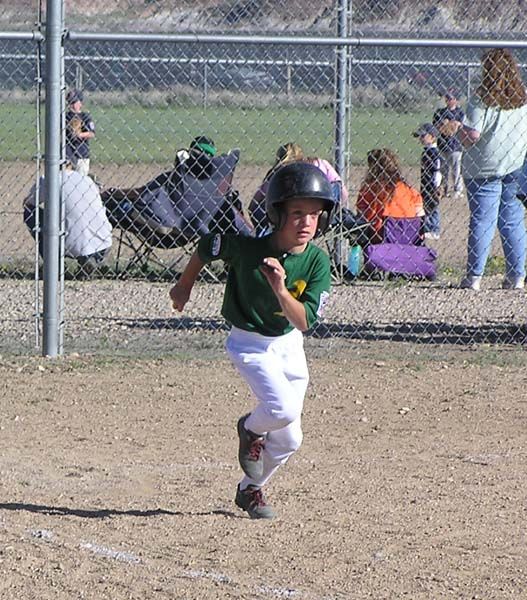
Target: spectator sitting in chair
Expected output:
[332,176]
[88,233]
[198,157]
[396,209]
[385,193]
[196,160]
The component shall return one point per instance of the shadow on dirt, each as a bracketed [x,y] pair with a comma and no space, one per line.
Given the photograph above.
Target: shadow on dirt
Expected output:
[427,333]
[418,332]
[103,513]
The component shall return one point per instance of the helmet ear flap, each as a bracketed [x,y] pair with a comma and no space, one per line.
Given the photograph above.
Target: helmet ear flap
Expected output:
[276,216]
[282,217]
[324,220]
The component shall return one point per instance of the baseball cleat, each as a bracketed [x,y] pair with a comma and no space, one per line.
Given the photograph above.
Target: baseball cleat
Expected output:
[252,501]
[250,451]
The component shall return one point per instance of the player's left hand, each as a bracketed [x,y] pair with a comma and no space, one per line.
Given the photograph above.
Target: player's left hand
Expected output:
[274,272]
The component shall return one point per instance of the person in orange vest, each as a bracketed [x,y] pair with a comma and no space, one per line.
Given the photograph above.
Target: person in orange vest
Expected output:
[385,193]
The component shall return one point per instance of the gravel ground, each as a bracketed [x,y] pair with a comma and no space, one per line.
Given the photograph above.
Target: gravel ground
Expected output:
[135,316]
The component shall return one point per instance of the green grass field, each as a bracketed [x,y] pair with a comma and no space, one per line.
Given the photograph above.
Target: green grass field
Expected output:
[134,133]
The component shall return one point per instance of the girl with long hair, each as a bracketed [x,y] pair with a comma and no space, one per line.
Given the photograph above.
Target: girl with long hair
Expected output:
[385,193]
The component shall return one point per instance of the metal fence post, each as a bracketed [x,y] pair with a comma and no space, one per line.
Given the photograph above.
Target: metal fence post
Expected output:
[54,31]
[341,86]
[79,77]
[205,85]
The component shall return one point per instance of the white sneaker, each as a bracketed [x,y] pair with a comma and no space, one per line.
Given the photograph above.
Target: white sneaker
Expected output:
[513,283]
[458,195]
[431,235]
[471,282]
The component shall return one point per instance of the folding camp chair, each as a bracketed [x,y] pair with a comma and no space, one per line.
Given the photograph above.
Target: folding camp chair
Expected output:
[173,211]
[346,230]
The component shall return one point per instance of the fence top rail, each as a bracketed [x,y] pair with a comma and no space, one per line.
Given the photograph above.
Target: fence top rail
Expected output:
[264,39]
[295,40]
[35,36]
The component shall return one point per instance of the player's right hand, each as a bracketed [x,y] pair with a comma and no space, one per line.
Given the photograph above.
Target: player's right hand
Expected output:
[179,296]
[274,272]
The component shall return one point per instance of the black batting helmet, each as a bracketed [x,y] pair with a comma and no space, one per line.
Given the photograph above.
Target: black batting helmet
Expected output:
[298,180]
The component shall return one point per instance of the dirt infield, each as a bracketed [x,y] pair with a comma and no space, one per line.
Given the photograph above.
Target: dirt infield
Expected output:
[118,480]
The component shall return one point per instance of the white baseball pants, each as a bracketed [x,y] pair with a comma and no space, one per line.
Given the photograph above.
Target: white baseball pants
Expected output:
[276,370]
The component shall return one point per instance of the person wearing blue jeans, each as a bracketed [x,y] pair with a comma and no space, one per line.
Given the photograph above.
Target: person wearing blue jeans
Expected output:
[494,134]
[522,184]
[494,202]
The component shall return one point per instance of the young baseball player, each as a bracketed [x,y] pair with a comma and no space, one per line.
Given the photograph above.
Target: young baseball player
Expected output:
[431,179]
[276,288]
[80,129]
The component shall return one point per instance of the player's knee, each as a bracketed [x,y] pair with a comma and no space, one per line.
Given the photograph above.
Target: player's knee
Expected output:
[295,441]
[285,416]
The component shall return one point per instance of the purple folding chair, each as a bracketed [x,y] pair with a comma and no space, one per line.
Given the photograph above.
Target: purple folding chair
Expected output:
[403,251]
[403,231]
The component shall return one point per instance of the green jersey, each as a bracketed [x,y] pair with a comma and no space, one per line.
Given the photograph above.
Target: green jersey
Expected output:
[249,302]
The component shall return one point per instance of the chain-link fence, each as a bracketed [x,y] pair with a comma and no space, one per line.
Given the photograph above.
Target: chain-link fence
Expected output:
[169,135]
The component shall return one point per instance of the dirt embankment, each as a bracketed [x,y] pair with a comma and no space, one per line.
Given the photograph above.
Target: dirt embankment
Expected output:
[418,17]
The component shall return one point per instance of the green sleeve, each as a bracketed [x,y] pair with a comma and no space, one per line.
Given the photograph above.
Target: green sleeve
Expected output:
[316,293]
[215,246]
